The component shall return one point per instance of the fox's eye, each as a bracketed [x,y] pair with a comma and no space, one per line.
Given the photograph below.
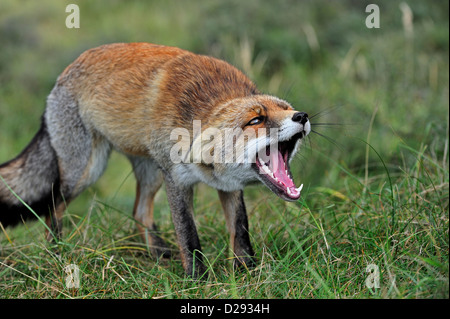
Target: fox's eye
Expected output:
[256,120]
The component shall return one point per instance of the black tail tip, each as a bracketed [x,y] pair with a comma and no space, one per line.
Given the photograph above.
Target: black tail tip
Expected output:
[11,216]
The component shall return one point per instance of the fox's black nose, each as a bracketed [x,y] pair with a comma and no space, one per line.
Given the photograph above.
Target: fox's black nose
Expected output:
[301,117]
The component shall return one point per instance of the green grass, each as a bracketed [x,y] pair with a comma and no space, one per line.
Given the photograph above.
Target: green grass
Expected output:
[377,195]
[316,248]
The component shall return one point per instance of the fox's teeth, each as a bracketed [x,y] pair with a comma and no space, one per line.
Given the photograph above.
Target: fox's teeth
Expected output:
[300,188]
[265,169]
[288,191]
[262,162]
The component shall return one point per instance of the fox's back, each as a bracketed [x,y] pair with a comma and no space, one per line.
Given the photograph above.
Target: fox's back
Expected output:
[150,88]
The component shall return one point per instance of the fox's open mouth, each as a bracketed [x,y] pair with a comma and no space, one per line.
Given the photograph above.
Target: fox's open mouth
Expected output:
[274,169]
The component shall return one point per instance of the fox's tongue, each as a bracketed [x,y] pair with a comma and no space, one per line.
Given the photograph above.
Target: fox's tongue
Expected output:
[278,167]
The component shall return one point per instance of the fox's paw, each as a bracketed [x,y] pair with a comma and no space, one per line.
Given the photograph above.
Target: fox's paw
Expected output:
[244,263]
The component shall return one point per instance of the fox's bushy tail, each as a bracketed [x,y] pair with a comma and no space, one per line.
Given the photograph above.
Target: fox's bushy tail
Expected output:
[33,176]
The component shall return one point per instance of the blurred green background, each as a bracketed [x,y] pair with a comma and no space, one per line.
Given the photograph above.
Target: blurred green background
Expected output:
[318,55]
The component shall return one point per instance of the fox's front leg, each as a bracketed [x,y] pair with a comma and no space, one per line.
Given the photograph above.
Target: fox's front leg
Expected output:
[181,205]
[237,224]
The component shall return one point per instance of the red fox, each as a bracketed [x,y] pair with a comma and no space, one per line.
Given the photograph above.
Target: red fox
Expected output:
[133,98]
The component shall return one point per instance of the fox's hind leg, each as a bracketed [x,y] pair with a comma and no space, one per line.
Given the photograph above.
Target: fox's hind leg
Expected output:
[149,179]
[54,222]
[82,153]
[75,178]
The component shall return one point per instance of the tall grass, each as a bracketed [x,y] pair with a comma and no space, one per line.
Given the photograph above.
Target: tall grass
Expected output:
[319,247]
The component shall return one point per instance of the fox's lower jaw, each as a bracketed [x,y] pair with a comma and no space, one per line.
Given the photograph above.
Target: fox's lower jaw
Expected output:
[279,180]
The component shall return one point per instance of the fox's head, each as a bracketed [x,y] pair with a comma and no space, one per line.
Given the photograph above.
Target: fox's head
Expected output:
[250,139]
